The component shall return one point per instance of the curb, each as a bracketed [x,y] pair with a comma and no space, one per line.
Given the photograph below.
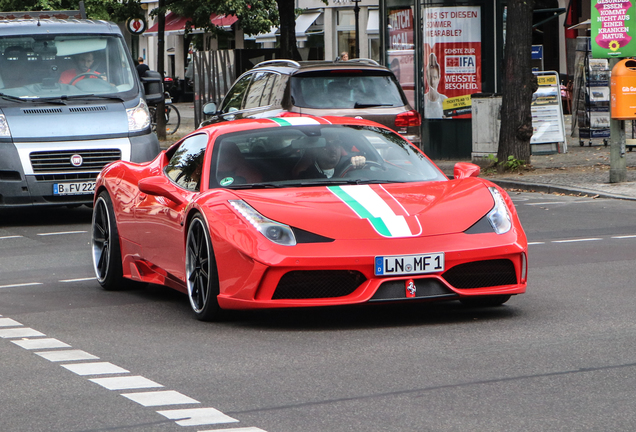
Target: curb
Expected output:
[550,189]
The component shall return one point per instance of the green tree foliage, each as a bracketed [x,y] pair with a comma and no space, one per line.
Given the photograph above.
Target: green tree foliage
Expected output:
[112,10]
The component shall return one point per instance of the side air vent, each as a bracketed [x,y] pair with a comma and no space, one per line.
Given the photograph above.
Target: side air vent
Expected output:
[88,109]
[42,111]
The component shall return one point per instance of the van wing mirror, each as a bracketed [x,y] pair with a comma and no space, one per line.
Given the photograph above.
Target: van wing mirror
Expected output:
[153,87]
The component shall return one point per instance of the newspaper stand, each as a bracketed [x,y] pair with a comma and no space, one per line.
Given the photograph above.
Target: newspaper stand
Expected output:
[595,119]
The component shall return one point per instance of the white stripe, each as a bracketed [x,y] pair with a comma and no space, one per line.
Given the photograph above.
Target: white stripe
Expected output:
[98,368]
[374,204]
[61,233]
[19,332]
[21,285]
[31,344]
[245,429]
[125,382]
[66,355]
[8,322]
[300,121]
[158,398]
[197,416]
[78,280]
[11,237]
[576,240]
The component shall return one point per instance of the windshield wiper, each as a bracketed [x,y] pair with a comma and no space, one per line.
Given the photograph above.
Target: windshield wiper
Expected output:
[12,98]
[62,98]
[256,186]
[370,105]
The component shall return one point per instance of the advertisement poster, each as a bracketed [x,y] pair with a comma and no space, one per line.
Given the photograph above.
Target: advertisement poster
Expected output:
[452,60]
[611,32]
[401,55]
[547,114]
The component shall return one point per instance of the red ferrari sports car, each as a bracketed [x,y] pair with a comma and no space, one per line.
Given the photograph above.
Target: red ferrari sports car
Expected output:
[305,211]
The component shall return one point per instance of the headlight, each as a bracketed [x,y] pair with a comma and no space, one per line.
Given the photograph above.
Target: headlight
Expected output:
[138,117]
[4,126]
[499,216]
[274,231]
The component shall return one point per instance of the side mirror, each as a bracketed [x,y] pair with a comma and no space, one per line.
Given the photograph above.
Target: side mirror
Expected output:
[153,87]
[464,170]
[160,186]
[209,108]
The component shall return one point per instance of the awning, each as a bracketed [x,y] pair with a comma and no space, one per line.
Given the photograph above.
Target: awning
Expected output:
[303,22]
[267,37]
[373,23]
[175,24]
[584,24]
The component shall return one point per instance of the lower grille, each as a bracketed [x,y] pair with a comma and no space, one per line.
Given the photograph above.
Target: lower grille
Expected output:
[312,284]
[482,274]
[56,161]
[424,288]
[73,176]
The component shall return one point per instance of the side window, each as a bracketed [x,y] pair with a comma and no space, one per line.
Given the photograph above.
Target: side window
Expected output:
[234,98]
[186,163]
[267,91]
[253,99]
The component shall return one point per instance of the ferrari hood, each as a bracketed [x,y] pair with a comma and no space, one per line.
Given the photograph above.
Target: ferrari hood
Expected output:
[372,211]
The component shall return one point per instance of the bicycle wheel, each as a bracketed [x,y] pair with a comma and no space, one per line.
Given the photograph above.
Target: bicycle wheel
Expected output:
[173,119]
[153,118]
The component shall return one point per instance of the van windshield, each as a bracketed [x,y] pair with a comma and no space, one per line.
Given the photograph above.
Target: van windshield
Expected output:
[60,66]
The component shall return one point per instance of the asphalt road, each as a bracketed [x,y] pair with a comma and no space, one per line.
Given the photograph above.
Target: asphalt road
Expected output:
[561,357]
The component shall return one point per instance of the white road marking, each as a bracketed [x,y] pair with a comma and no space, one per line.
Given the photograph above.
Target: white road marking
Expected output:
[19,333]
[159,398]
[31,344]
[125,382]
[66,355]
[624,237]
[535,243]
[62,233]
[21,285]
[197,416]
[97,368]
[78,280]
[8,322]
[245,429]
[11,237]
[546,203]
[576,240]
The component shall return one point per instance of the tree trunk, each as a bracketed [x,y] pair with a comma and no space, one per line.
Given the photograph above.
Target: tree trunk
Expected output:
[518,85]
[287,17]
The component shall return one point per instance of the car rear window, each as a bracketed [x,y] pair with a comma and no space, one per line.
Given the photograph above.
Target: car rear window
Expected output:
[345,90]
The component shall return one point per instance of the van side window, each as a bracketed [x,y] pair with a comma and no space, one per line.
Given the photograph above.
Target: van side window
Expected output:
[186,164]
[234,99]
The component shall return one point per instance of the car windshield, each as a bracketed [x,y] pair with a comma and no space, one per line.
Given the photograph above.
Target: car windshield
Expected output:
[63,67]
[350,90]
[292,156]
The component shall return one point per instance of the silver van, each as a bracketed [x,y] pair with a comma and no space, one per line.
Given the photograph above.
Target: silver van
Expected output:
[71,101]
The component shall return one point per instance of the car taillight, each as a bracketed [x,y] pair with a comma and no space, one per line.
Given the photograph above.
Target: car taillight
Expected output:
[409,118]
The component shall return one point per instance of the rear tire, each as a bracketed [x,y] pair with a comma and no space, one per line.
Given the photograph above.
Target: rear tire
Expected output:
[201,273]
[105,246]
[485,301]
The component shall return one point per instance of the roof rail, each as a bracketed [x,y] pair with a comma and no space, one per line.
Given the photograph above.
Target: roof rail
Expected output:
[285,62]
[361,60]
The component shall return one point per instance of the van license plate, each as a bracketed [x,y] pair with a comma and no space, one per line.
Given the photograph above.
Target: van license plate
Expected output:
[75,188]
[397,265]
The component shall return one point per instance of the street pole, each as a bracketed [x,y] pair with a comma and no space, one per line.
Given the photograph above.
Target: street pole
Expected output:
[356,11]
[618,162]
[161,106]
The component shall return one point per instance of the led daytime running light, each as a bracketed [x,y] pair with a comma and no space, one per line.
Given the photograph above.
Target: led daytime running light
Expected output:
[274,231]
[499,216]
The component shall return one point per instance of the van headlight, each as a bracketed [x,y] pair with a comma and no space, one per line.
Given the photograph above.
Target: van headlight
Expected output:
[274,231]
[138,117]
[4,127]
[499,216]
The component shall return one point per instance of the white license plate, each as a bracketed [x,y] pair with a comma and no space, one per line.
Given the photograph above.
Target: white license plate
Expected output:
[74,188]
[396,265]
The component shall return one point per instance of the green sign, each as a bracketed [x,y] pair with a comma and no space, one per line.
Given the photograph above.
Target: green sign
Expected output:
[612,35]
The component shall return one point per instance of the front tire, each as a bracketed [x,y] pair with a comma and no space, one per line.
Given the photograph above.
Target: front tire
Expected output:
[201,272]
[105,246]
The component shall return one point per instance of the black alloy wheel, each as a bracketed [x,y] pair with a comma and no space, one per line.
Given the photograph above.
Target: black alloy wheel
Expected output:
[201,272]
[105,245]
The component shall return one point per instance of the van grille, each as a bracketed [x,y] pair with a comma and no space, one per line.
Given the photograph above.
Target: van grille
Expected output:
[60,161]
[42,111]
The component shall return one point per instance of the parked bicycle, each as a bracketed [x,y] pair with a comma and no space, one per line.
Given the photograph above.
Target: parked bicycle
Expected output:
[173,117]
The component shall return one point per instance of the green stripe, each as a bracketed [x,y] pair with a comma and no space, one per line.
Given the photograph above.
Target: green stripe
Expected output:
[281,121]
[363,213]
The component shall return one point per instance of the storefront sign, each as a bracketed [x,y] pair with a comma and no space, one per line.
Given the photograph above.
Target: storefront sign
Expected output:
[452,60]
[612,34]
[547,113]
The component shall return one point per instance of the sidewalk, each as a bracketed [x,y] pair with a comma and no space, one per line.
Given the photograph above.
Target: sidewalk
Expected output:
[582,170]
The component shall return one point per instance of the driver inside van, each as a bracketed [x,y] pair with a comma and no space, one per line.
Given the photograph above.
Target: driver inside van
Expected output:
[83,62]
